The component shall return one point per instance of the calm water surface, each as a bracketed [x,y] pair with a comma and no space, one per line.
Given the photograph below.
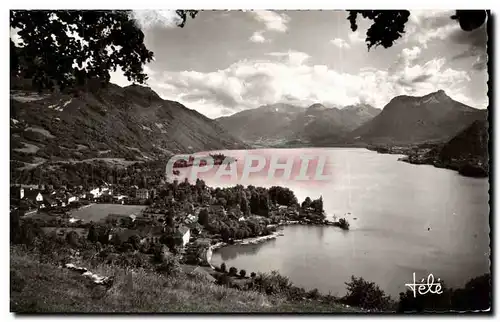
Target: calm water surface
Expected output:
[395,204]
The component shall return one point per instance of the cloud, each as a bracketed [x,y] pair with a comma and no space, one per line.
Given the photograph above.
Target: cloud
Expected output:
[475,43]
[356,37]
[288,77]
[427,25]
[341,43]
[272,20]
[257,37]
[151,18]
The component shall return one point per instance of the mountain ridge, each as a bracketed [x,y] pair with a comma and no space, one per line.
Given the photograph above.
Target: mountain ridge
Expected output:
[267,126]
[131,122]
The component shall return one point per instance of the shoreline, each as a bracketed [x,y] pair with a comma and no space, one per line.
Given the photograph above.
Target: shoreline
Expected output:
[246,241]
[260,239]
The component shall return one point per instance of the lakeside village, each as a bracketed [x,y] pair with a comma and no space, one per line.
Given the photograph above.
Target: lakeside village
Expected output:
[184,222]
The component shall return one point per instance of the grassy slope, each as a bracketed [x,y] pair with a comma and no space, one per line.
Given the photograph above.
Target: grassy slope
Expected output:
[38,287]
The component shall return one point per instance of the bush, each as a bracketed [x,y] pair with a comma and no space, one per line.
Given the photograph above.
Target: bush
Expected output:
[272,283]
[253,275]
[243,273]
[233,271]
[223,267]
[73,239]
[313,294]
[170,266]
[367,295]
[223,279]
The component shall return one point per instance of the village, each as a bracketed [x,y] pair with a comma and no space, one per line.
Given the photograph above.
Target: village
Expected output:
[188,221]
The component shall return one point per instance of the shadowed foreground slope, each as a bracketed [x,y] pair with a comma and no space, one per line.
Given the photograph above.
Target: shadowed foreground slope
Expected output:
[36,287]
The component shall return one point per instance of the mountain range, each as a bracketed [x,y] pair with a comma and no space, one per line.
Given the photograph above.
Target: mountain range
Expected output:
[133,123]
[282,123]
[404,120]
[410,120]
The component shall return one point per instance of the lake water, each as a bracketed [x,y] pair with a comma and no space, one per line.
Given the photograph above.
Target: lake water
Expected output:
[410,218]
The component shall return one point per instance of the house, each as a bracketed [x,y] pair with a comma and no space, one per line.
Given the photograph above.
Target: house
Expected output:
[120,198]
[191,219]
[48,202]
[72,199]
[17,192]
[34,195]
[97,192]
[151,234]
[142,194]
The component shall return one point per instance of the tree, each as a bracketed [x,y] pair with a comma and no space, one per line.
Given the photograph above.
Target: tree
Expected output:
[93,235]
[306,203]
[282,196]
[317,205]
[244,205]
[73,239]
[252,275]
[135,241]
[233,271]
[223,267]
[203,217]
[96,41]
[388,25]
[243,273]
[15,227]
[366,295]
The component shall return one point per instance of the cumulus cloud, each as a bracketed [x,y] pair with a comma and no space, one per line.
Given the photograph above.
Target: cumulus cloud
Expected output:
[427,25]
[475,43]
[272,20]
[288,77]
[257,37]
[151,18]
[339,42]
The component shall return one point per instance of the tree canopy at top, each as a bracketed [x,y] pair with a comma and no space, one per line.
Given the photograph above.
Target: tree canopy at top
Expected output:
[66,48]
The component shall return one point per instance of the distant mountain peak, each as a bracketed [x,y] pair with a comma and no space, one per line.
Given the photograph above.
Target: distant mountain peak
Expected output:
[315,108]
[440,94]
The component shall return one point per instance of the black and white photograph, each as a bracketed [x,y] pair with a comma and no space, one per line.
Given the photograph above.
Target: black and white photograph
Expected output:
[251,161]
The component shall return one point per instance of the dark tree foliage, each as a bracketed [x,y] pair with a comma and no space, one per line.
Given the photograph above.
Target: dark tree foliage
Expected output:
[104,40]
[233,271]
[203,217]
[223,267]
[93,234]
[73,239]
[365,294]
[388,25]
[476,295]
[15,227]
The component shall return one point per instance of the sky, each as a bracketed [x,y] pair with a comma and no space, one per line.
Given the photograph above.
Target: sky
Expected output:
[223,62]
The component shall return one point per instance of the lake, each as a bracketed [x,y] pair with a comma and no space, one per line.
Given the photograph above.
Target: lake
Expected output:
[410,218]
